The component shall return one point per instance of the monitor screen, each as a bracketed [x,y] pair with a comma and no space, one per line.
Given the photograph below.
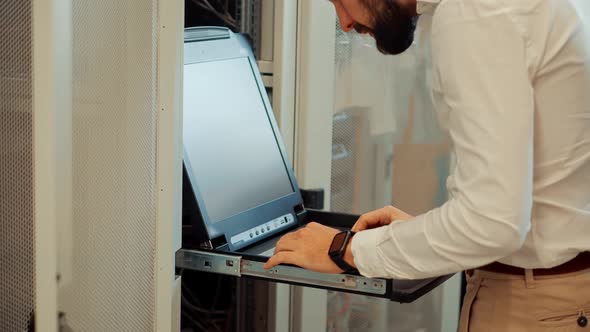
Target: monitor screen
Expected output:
[229,143]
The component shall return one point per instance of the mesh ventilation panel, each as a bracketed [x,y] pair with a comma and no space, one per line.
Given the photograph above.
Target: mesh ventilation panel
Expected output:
[17,284]
[112,287]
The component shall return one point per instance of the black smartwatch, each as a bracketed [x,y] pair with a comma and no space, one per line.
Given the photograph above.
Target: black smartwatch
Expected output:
[338,248]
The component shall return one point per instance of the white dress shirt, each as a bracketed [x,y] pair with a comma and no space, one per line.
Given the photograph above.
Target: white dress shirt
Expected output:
[511,85]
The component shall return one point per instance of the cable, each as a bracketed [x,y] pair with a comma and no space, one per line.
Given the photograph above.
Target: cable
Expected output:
[190,293]
[232,311]
[201,310]
[195,322]
[197,317]
[223,16]
[217,291]
[200,317]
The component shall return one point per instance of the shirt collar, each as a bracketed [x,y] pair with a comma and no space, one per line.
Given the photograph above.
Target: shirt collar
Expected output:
[426,6]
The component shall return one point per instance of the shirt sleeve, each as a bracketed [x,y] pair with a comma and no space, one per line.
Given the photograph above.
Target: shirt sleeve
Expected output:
[483,77]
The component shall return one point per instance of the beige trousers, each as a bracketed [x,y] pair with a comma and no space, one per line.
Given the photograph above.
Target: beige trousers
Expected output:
[501,302]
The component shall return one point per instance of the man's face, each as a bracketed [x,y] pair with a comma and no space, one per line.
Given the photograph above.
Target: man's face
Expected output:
[390,24]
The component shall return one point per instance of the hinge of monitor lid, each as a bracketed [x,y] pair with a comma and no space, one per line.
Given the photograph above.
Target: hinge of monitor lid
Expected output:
[196,34]
[300,213]
[207,245]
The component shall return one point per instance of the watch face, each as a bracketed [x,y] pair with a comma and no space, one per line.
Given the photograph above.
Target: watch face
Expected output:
[337,243]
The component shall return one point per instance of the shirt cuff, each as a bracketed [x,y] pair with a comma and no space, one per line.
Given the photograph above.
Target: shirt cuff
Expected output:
[364,252]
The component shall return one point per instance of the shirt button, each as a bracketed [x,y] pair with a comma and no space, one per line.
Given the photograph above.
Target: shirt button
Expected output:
[582,321]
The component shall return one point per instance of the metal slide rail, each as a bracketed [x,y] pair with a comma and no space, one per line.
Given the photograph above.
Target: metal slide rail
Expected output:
[234,265]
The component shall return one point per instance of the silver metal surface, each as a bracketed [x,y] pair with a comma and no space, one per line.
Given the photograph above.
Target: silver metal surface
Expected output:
[268,80]
[249,17]
[265,67]
[114,167]
[305,277]
[197,260]
[267,29]
[205,261]
[17,205]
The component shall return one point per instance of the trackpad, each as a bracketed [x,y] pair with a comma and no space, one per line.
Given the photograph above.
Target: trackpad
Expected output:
[264,249]
[268,253]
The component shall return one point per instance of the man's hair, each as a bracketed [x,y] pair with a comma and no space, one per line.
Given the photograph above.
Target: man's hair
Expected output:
[393,27]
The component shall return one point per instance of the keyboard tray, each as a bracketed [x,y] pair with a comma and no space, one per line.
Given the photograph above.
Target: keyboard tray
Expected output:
[242,265]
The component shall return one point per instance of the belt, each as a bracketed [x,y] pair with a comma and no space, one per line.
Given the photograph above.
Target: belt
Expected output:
[578,263]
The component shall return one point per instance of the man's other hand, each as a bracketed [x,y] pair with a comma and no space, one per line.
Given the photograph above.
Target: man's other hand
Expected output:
[378,218]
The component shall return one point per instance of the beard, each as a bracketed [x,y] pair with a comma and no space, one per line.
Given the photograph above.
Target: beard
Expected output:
[393,29]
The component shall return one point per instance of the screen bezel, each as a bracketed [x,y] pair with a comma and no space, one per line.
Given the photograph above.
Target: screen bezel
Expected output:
[231,48]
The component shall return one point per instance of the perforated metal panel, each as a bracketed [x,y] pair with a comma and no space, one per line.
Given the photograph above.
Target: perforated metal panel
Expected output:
[382,118]
[112,286]
[17,261]
[248,16]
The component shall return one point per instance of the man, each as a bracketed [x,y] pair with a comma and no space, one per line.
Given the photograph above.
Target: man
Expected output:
[511,84]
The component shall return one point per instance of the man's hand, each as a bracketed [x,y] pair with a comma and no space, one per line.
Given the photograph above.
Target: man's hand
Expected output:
[378,218]
[308,248]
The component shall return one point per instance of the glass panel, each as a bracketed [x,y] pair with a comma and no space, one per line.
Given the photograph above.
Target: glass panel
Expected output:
[387,149]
